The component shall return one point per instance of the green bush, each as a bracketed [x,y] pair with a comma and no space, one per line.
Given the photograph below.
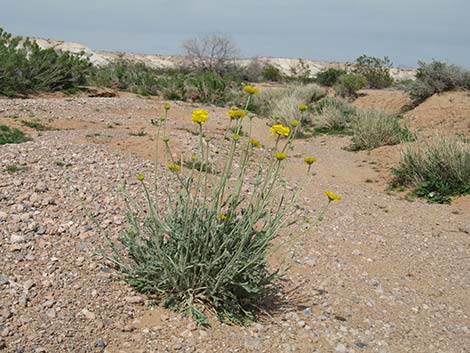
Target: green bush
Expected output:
[372,129]
[26,68]
[272,73]
[349,84]
[329,77]
[437,77]
[437,169]
[375,70]
[126,75]
[11,135]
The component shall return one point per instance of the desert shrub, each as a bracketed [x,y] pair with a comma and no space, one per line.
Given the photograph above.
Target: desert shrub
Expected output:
[349,84]
[26,68]
[253,72]
[283,103]
[436,169]
[371,129]
[272,72]
[333,115]
[128,76]
[12,135]
[204,247]
[300,72]
[437,77]
[211,88]
[329,77]
[375,70]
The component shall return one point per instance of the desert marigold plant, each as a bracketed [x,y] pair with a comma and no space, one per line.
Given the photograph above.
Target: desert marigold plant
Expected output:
[204,246]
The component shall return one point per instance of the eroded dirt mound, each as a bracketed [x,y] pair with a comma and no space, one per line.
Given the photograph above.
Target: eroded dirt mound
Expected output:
[387,100]
[448,113]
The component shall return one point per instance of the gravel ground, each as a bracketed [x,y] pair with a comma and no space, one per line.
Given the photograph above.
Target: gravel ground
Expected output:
[381,273]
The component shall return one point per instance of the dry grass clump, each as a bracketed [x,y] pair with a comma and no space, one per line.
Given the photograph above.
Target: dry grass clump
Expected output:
[371,129]
[283,103]
[437,169]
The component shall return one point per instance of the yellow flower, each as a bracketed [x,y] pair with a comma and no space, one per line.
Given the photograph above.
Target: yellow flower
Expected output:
[280,130]
[303,107]
[167,106]
[222,216]
[280,155]
[193,158]
[332,196]
[236,137]
[255,143]
[251,90]
[236,114]
[310,160]
[140,177]
[200,116]
[174,167]
[294,123]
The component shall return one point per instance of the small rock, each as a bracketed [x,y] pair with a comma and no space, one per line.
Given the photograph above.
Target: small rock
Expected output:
[100,344]
[361,344]
[2,344]
[137,299]
[88,314]
[307,311]
[341,348]
[41,187]
[3,280]
[16,239]
[3,216]
[465,229]
[51,314]
[28,284]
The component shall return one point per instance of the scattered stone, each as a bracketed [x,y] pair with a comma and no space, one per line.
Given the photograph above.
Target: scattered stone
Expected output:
[341,348]
[361,344]
[27,285]
[17,239]
[137,299]
[88,314]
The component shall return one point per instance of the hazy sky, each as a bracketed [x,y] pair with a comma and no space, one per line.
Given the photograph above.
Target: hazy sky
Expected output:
[338,30]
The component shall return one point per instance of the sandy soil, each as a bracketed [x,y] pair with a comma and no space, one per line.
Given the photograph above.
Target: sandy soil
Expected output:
[382,272]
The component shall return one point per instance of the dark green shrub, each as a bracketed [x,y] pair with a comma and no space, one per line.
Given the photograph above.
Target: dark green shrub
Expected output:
[128,76]
[437,77]
[26,68]
[11,135]
[437,169]
[375,70]
[329,77]
[272,72]
[349,84]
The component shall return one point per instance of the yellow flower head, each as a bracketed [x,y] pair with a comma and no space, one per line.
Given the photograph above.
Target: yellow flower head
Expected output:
[332,196]
[236,137]
[294,123]
[255,143]
[140,177]
[167,106]
[174,167]
[251,90]
[303,107]
[193,158]
[310,160]
[200,116]
[280,129]
[236,113]
[222,216]
[280,155]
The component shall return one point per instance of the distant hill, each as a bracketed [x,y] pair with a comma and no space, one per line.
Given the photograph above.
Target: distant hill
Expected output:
[100,58]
